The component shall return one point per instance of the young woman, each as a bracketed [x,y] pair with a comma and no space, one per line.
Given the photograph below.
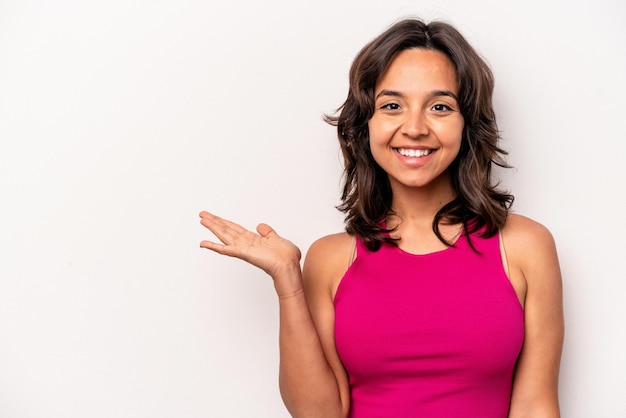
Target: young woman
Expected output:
[436,301]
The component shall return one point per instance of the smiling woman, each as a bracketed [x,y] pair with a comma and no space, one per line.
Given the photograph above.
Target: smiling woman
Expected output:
[416,309]
[415,132]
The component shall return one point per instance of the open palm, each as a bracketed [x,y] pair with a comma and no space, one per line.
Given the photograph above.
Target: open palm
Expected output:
[264,249]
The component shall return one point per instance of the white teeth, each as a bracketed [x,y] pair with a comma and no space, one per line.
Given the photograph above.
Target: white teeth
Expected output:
[414,152]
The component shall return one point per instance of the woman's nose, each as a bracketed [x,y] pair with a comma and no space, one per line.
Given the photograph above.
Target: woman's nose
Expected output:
[415,124]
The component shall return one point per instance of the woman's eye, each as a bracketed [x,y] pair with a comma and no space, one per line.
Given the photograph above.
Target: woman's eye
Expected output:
[441,108]
[391,106]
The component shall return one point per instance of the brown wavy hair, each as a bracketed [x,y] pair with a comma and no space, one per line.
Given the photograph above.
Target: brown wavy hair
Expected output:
[367,196]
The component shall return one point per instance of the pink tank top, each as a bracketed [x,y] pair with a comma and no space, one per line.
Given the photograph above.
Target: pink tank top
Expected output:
[433,335]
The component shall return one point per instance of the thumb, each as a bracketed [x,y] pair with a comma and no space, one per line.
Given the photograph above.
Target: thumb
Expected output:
[265,230]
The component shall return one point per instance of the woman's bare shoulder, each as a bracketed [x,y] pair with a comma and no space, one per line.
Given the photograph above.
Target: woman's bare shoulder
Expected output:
[522,233]
[329,257]
[332,242]
[528,244]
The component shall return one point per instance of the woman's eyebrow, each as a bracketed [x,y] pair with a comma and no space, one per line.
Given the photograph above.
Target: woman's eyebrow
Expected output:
[434,93]
[392,93]
[447,93]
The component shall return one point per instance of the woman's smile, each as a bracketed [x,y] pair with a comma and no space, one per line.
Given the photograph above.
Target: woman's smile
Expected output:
[413,153]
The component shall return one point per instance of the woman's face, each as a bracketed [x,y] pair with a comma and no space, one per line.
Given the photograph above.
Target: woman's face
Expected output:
[416,129]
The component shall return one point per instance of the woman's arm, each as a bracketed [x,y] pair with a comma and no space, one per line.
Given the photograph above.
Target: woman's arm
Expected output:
[532,256]
[325,266]
[309,384]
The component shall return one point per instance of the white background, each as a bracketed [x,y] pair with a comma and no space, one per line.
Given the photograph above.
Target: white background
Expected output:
[121,120]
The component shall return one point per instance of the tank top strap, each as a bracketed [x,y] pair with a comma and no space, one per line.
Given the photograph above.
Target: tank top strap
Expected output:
[490,245]
[360,248]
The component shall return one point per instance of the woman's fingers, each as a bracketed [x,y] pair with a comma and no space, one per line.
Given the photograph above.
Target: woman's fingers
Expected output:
[208,219]
[236,240]
[264,249]
[265,230]
[228,232]
[210,245]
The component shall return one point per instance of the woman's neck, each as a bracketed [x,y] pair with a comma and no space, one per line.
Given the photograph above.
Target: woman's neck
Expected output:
[412,220]
[419,205]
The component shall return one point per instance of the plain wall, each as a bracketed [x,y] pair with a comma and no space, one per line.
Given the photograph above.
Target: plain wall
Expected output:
[121,120]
